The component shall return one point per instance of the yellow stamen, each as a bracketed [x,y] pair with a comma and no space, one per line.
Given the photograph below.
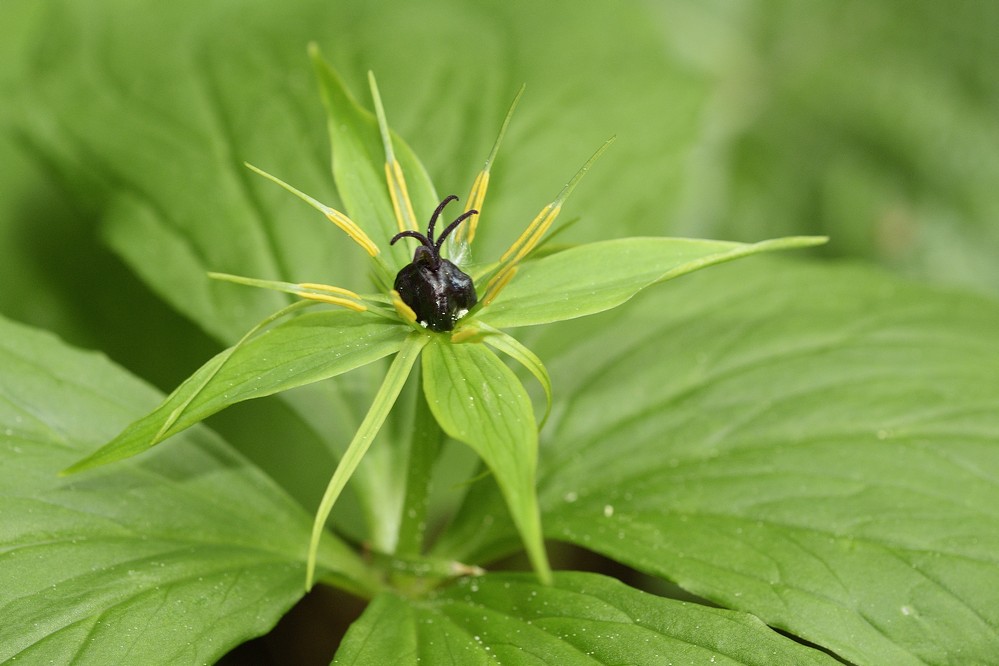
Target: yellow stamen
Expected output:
[323,298]
[464,334]
[476,196]
[535,231]
[498,281]
[401,205]
[330,289]
[347,298]
[404,310]
[327,294]
[528,240]
[347,225]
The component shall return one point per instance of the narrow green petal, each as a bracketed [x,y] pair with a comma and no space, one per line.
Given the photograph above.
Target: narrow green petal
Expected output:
[463,236]
[380,407]
[322,293]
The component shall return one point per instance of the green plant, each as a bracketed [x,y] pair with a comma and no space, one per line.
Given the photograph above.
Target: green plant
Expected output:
[473,397]
[802,444]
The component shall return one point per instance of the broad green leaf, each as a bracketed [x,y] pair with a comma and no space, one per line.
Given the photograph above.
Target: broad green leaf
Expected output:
[169,559]
[598,276]
[581,619]
[359,166]
[298,352]
[478,400]
[813,445]
[816,446]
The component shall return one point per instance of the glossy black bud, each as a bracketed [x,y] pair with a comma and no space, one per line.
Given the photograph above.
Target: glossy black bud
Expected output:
[438,292]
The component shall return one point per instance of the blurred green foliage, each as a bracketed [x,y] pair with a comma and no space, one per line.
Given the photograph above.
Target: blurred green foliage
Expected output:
[124,125]
[872,122]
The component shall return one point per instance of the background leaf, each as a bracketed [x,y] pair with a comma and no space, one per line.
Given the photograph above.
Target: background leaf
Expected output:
[737,120]
[850,120]
[814,445]
[181,86]
[163,560]
[582,619]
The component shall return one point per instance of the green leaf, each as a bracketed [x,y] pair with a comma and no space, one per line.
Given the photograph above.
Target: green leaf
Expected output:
[813,445]
[582,619]
[300,351]
[478,400]
[598,276]
[162,560]
[359,166]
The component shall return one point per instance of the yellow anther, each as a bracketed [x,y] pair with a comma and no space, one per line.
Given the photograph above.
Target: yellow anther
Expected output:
[330,289]
[528,240]
[326,298]
[401,205]
[350,228]
[347,225]
[466,333]
[404,310]
[498,282]
[535,231]
[346,297]
[476,196]
[399,193]
[309,290]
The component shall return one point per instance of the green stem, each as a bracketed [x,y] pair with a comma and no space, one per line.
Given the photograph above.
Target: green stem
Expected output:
[423,573]
[398,372]
[345,569]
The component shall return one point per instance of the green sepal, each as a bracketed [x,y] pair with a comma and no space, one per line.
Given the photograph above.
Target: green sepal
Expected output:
[591,278]
[300,351]
[478,400]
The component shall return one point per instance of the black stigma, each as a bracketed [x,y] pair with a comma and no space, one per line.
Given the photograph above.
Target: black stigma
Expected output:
[437,291]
